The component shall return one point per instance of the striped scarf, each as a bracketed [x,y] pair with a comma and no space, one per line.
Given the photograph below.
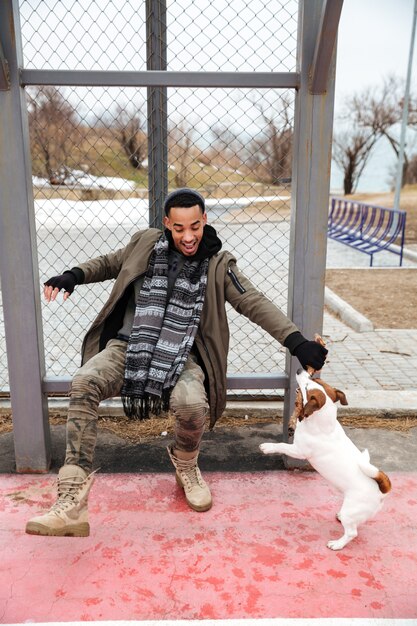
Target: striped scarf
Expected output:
[163,333]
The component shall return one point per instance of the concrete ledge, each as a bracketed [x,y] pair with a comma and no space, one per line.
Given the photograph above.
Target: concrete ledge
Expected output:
[378,403]
[411,255]
[346,312]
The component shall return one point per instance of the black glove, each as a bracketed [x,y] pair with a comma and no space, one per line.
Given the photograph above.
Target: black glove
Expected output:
[309,353]
[65,281]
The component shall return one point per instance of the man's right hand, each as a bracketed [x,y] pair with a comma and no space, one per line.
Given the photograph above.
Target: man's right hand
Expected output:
[53,286]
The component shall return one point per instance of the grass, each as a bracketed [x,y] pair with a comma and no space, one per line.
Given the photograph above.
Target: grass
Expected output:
[408,202]
[135,431]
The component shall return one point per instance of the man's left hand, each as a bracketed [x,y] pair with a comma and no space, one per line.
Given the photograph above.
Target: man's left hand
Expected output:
[311,354]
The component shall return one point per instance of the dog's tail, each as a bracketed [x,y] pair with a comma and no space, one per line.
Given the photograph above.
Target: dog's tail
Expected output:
[370,470]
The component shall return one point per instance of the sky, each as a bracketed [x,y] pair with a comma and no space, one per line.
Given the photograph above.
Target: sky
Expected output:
[373,42]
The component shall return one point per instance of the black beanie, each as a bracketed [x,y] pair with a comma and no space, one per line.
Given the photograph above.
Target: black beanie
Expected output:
[184,198]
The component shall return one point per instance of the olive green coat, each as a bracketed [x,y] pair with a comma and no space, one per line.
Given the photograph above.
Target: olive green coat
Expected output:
[225,283]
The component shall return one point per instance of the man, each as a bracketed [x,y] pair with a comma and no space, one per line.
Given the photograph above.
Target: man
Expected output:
[160,341]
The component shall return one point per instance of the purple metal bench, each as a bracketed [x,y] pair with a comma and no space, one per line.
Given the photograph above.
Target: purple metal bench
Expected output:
[366,227]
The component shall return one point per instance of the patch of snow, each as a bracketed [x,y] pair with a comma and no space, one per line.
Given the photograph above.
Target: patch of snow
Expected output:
[78,179]
[51,213]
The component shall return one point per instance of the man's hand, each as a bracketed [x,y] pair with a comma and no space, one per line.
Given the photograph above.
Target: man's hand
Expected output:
[311,354]
[53,286]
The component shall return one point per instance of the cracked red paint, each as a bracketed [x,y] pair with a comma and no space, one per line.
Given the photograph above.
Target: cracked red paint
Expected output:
[149,556]
[336,573]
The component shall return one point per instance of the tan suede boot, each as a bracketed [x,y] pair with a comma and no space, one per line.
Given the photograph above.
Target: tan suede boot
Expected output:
[188,476]
[68,517]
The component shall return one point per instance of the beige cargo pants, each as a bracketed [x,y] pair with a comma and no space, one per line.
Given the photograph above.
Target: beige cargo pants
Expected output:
[102,377]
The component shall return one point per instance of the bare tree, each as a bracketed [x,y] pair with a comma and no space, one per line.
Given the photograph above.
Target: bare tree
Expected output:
[54,132]
[130,129]
[181,152]
[271,151]
[381,111]
[411,174]
[351,153]
[371,115]
[227,148]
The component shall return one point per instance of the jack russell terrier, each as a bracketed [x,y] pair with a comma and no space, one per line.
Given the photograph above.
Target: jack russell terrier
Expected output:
[320,439]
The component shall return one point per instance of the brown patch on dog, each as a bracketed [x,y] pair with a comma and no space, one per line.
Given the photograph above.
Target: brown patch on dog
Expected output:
[298,408]
[334,394]
[383,481]
[315,400]
[297,414]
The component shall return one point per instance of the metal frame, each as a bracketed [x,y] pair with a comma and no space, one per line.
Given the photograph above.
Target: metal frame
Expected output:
[20,281]
[156,60]
[314,82]
[4,71]
[156,78]
[325,45]
[311,184]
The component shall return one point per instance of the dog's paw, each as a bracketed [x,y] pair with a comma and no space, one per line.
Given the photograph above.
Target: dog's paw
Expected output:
[336,544]
[269,448]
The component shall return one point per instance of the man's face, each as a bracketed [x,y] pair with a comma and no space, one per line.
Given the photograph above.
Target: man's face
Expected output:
[186,226]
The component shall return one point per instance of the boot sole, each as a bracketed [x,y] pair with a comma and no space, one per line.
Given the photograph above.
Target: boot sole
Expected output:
[195,507]
[76,530]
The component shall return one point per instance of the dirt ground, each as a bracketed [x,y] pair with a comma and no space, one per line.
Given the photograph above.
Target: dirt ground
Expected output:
[388,297]
[134,431]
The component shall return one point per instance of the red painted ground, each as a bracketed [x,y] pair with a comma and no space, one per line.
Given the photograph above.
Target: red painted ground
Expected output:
[259,552]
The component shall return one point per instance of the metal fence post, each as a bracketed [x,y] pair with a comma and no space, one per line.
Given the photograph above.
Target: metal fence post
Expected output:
[313,124]
[156,51]
[18,263]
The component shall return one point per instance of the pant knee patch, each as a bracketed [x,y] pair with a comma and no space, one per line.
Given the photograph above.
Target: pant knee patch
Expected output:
[189,426]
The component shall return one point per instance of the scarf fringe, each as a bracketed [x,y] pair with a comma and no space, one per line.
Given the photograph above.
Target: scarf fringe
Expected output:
[142,408]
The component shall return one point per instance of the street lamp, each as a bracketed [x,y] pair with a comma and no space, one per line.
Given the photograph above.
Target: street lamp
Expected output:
[405,114]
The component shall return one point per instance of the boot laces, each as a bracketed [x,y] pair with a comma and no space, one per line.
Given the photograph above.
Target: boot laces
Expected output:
[190,473]
[68,489]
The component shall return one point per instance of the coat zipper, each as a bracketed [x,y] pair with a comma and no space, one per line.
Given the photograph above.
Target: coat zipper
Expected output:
[235,281]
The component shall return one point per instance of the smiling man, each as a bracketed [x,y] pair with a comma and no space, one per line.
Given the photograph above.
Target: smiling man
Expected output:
[160,342]
[186,226]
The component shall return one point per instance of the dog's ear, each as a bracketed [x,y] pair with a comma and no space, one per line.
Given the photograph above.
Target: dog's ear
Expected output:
[341,397]
[334,394]
[315,400]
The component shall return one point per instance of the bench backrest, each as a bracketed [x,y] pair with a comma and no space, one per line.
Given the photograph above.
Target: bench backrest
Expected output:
[366,221]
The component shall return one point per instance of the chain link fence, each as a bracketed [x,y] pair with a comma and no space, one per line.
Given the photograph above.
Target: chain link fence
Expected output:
[89,149]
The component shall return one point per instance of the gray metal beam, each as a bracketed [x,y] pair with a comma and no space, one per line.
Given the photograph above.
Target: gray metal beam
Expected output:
[18,264]
[155,78]
[325,45]
[234,381]
[157,108]
[4,71]
[313,123]
[257,381]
